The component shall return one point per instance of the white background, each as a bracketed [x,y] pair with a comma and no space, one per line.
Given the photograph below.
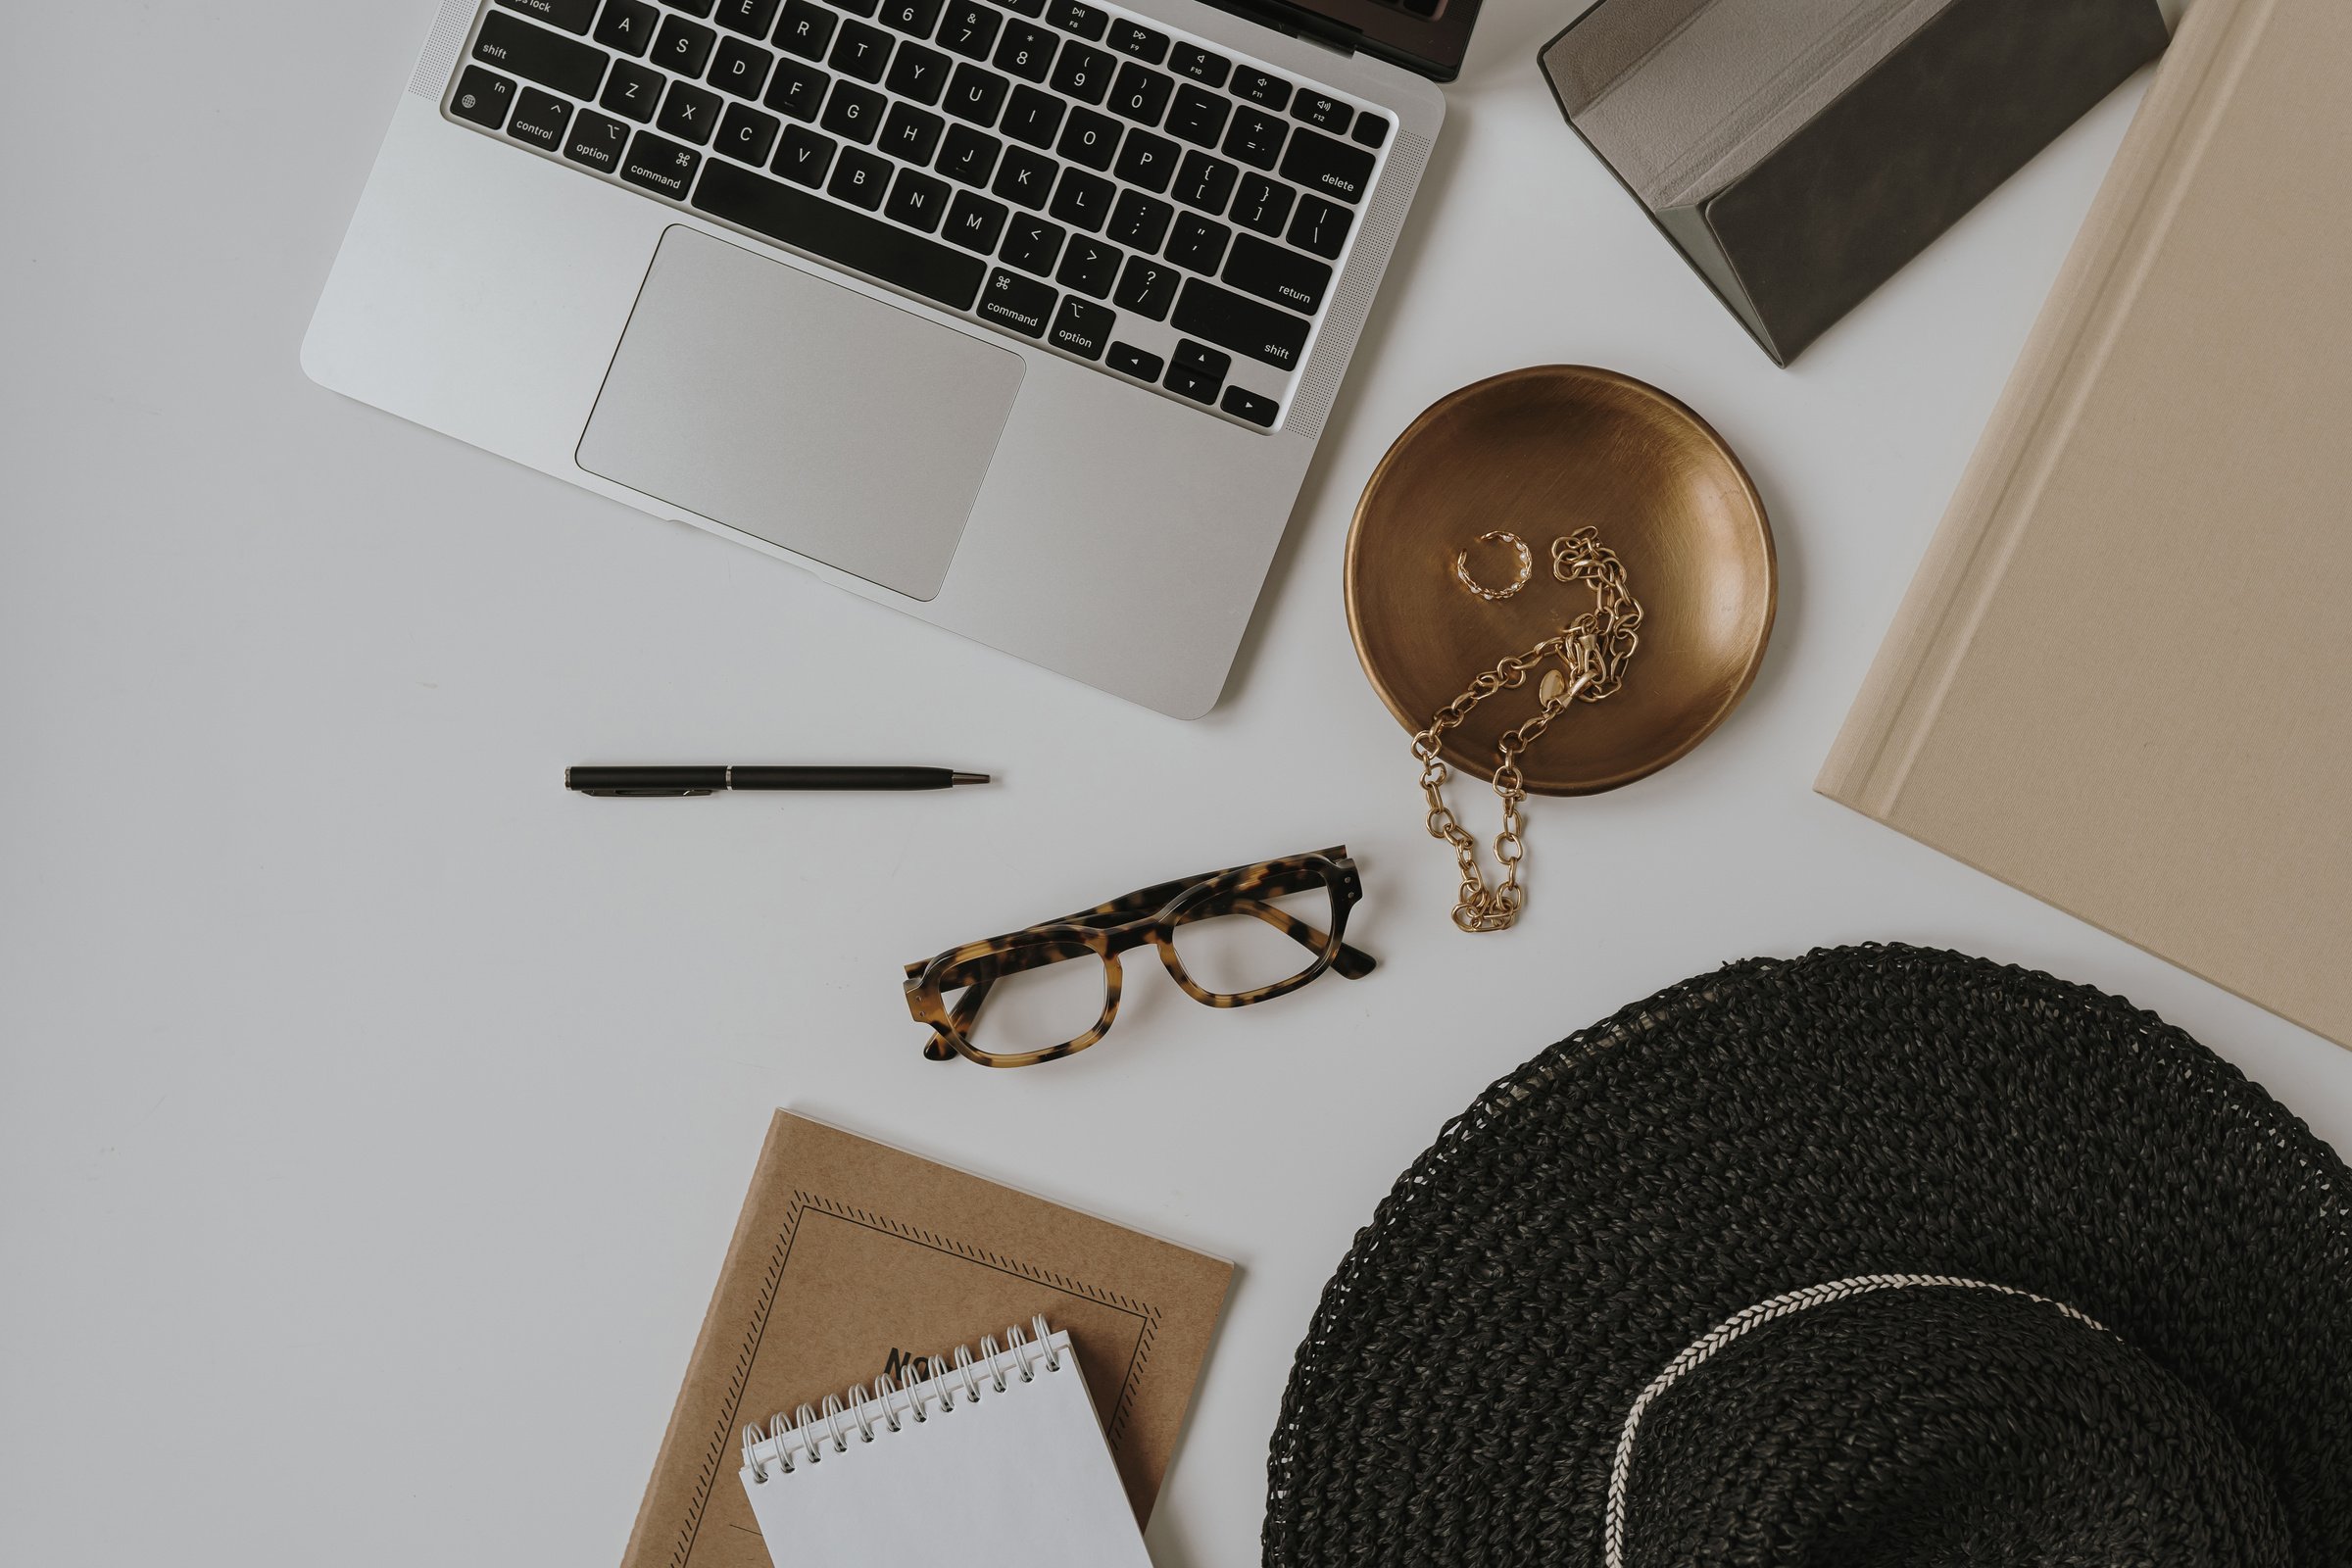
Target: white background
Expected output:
[373,1114]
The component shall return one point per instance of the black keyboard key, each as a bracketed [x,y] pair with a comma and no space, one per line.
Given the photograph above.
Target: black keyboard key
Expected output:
[1322,111]
[860,178]
[597,140]
[861,8]
[918,200]
[913,17]
[660,164]
[1026,177]
[566,65]
[693,8]
[1198,117]
[1140,222]
[750,18]
[1020,303]
[918,73]
[1032,243]
[1198,244]
[1082,200]
[1188,60]
[1026,51]
[797,90]
[1333,168]
[1243,404]
[1082,328]
[1128,360]
[633,90]
[1228,320]
[748,134]
[1261,205]
[975,95]
[1032,117]
[1370,130]
[1147,161]
[569,15]
[845,238]
[1321,227]
[967,155]
[484,97]
[1083,73]
[1141,94]
[1205,183]
[1089,266]
[1201,357]
[1027,8]
[1134,38]
[1147,288]
[1255,138]
[1076,16]
[690,113]
[854,113]
[1185,381]
[861,51]
[1261,88]
[1278,273]
[740,68]
[804,156]
[807,29]
[974,222]
[683,46]
[970,29]
[540,118]
[911,134]
[1090,139]
[628,26]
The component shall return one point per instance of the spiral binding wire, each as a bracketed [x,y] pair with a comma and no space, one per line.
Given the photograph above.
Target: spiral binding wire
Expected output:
[803,1437]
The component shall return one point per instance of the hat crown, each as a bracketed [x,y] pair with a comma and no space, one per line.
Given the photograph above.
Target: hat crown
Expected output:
[1911,1419]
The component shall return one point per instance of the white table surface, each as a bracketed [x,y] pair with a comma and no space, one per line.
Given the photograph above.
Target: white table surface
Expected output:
[373,1114]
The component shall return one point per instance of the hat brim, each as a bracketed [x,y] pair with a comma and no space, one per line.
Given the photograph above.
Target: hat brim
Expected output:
[1769,1128]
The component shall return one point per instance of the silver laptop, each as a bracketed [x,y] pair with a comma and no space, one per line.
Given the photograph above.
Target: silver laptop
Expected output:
[1021,317]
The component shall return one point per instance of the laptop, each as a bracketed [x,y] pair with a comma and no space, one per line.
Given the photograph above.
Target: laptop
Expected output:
[1020,317]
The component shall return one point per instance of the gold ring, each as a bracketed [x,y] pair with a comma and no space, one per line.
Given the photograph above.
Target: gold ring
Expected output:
[1526,565]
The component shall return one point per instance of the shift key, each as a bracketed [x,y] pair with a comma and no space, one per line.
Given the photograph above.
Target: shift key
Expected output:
[568,66]
[1230,322]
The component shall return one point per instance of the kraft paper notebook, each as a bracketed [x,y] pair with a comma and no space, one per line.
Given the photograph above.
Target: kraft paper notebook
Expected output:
[2123,678]
[852,1261]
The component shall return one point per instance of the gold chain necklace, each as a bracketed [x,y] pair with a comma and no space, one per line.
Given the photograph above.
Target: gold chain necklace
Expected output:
[1593,650]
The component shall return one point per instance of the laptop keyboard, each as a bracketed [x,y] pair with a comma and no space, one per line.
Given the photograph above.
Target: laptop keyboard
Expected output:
[1058,171]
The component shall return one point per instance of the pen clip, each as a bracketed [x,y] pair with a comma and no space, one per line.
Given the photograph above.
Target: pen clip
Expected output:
[614,792]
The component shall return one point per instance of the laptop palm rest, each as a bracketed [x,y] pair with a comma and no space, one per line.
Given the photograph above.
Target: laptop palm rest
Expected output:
[793,408]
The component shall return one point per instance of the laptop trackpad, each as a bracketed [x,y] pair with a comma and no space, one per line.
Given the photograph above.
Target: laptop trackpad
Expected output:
[794,408]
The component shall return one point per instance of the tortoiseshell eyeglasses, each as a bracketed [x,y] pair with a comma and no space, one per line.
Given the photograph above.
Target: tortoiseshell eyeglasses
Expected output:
[1229,938]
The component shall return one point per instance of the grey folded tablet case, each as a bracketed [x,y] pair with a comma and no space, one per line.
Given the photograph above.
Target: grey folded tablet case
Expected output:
[1800,152]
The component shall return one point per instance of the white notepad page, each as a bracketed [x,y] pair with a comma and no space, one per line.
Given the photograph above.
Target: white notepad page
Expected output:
[1016,1476]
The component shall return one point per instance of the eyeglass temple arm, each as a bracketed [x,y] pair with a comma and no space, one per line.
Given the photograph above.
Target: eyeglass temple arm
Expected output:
[1352,963]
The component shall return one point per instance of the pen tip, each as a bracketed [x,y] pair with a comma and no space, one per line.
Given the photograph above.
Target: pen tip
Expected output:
[967,778]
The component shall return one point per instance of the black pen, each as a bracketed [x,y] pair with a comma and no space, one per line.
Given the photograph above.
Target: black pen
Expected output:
[706,780]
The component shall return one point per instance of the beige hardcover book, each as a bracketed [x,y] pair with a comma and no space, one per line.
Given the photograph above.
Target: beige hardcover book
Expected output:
[2123,678]
[852,1261]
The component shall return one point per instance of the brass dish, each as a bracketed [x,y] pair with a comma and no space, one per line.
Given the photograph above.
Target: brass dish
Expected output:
[1539,453]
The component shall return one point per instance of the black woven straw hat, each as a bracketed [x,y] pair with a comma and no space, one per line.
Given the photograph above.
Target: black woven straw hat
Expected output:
[1877,1258]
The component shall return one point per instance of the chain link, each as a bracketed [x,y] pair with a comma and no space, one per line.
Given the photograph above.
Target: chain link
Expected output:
[1593,650]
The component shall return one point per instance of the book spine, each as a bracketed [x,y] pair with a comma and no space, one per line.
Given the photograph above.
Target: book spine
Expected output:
[1928,643]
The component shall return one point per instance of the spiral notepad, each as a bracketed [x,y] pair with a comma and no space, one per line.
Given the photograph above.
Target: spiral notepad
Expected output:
[988,1458]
